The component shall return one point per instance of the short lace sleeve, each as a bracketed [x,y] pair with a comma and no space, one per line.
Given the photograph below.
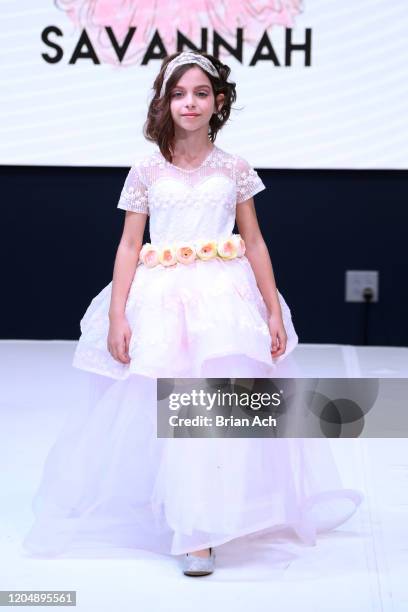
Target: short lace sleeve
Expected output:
[134,193]
[248,180]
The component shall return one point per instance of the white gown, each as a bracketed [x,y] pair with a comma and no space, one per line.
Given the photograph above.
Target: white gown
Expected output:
[108,479]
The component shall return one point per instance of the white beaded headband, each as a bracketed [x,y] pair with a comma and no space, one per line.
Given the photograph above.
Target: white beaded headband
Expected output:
[187,57]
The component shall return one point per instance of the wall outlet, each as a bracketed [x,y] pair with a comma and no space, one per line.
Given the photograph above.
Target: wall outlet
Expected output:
[357,281]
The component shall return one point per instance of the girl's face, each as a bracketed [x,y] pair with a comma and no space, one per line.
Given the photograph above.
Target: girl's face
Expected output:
[192,101]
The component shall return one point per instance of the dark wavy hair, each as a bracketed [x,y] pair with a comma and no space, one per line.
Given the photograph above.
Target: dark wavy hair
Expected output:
[159,125]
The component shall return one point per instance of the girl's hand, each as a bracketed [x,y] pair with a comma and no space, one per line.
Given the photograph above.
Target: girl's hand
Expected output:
[119,338]
[278,335]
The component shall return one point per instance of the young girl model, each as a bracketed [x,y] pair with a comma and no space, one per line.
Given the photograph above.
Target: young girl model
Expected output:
[197,301]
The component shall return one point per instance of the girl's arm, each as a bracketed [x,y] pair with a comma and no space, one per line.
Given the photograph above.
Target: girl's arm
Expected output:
[258,255]
[123,273]
[126,261]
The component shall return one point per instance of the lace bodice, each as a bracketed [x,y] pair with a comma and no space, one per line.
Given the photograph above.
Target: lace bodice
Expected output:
[189,204]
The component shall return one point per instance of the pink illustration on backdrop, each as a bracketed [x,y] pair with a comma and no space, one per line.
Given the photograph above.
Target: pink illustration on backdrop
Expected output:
[254,16]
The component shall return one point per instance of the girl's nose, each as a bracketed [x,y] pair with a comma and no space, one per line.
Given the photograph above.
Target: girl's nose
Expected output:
[190,100]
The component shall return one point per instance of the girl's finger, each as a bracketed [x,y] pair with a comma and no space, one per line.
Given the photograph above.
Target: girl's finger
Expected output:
[282,344]
[125,349]
[122,352]
[274,342]
[127,343]
[117,351]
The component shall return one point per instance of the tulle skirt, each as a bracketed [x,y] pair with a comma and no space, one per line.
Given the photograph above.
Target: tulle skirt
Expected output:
[109,480]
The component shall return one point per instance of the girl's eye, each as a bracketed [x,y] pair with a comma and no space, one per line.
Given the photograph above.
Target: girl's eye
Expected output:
[176,93]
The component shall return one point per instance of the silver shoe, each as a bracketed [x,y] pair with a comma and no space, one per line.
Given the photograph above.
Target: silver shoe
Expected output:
[198,566]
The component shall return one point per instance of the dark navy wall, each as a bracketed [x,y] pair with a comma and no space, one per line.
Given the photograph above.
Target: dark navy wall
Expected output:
[61,228]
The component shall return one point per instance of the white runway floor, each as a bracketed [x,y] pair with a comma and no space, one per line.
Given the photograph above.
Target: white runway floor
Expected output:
[361,566]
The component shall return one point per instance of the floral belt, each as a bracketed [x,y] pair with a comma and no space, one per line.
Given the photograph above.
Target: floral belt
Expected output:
[187,252]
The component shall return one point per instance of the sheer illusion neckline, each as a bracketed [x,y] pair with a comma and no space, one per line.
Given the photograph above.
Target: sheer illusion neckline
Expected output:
[205,160]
